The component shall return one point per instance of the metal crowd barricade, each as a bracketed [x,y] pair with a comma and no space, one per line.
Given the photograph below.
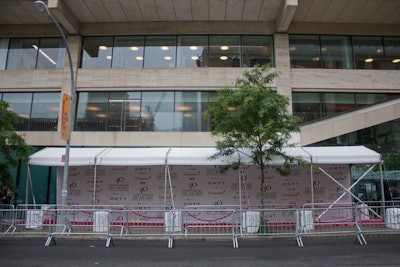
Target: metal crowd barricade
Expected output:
[328,220]
[215,221]
[7,215]
[379,217]
[28,219]
[274,220]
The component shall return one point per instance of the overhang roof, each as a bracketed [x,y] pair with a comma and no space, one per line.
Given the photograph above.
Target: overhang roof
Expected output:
[72,13]
[52,156]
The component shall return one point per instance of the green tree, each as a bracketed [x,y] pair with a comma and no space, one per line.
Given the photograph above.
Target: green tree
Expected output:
[253,119]
[12,146]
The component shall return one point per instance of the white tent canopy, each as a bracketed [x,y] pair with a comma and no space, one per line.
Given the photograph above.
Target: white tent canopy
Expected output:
[317,156]
[53,156]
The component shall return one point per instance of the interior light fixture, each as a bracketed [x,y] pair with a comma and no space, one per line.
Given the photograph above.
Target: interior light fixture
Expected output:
[292,48]
[165,48]
[134,48]
[315,59]
[224,47]
[396,60]
[369,60]
[139,58]
[194,58]
[223,57]
[109,57]
[324,49]
[44,54]
[193,47]
[167,57]
[103,47]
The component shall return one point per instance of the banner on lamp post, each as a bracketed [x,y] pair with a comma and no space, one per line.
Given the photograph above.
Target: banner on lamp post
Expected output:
[66,101]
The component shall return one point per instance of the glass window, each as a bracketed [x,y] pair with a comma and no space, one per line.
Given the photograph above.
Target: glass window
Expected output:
[191,51]
[257,50]
[188,111]
[392,52]
[157,111]
[45,110]
[97,52]
[51,53]
[128,52]
[368,52]
[124,111]
[22,53]
[336,52]
[20,104]
[304,51]
[307,106]
[160,52]
[3,52]
[338,103]
[224,51]
[92,111]
[367,99]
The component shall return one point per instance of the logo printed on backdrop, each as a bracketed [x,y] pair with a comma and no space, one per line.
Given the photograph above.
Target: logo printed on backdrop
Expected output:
[205,185]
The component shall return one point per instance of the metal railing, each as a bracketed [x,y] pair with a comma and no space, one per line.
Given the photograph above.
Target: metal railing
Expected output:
[234,222]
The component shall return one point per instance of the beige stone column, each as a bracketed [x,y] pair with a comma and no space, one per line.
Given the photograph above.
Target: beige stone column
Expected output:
[282,64]
[74,43]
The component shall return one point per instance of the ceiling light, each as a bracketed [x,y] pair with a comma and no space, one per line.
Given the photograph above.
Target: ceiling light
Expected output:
[223,57]
[193,47]
[368,60]
[292,48]
[167,58]
[396,60]
[109,57]
[165,48]
[224,47]
[194,57]
[315,59]
[103,47]
[139,58]
[324,49]
[134,48]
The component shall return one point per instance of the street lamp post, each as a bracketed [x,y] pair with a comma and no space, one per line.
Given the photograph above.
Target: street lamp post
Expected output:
[42,7]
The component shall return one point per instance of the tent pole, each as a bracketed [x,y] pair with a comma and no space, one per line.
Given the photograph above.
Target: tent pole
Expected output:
[382,190]
[27,184]
[94,184]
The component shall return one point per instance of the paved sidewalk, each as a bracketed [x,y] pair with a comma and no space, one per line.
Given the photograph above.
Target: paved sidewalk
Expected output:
[332,251]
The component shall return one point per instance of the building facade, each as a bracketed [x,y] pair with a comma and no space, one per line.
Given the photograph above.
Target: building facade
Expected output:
[145,70]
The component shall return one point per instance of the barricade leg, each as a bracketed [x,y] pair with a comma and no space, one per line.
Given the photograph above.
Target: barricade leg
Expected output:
[109,241]
[171,242]
[50,239]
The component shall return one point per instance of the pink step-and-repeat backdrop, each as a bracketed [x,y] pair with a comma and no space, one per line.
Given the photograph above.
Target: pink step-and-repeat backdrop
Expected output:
[201,185]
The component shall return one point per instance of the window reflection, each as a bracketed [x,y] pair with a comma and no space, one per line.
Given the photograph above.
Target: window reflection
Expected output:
[257,50]
[304,51]
[160,52]
[128,52]
[50,53]
[92,111]
[3,52]
[45,110]
[34,53]
[158,111]
[177,51]
[313,106]
[392,52]
[22,53]
[336,52]
[191,51]
[20,104]
[97,52]
[368,52]
[224,51]
[143,111]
